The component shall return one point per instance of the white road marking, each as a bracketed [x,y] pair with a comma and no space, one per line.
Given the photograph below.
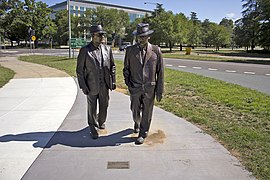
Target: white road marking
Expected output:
[230,71]
[249,72]
[211,69]
[182,66]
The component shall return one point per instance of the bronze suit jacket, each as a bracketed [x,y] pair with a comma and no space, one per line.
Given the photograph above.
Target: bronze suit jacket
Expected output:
[88,68]
[147,76]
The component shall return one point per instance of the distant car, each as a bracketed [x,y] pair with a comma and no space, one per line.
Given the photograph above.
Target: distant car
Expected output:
[124,46]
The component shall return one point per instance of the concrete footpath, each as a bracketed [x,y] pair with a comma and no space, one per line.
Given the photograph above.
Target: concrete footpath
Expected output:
[44,135]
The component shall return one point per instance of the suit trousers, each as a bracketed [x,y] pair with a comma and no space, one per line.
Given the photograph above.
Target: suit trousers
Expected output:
[102,98]
[142,109]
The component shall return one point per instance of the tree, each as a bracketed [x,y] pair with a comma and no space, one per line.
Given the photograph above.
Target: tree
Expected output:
[86,21]
[206,33]
[61,21]
[219,35]
[37,17]
[77,26]
[113,21]
[17,17]
[194,30]
[162,23]
[122,22]
[241,34]
[253,28]
[5,7]
[228,24]
[163,26]
[180,23]
[264,18]
[49,31]
[250,21]
[14,24]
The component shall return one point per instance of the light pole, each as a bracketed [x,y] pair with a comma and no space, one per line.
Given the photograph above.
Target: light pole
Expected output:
[51,39]
[232,41]
[69,30]
[30,40]
[157,6]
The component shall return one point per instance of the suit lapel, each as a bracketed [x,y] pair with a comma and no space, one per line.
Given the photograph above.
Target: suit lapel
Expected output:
[90,51]
[137,54]
[103,54]
[148,53]
[92,54]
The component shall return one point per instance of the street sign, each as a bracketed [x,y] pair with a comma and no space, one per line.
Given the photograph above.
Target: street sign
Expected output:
[33,38]
[77,42]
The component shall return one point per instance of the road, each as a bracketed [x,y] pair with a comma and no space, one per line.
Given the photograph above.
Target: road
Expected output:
[254,76]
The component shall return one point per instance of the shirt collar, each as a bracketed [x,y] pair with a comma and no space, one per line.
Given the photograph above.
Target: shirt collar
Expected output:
[95,48]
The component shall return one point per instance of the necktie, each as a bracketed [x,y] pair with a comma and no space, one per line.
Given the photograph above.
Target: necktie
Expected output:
[143,55]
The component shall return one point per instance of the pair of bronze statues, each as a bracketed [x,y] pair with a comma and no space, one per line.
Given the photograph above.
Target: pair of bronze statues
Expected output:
[143,73]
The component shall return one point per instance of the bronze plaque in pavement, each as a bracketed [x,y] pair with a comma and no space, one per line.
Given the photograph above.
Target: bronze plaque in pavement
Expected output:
[118,165]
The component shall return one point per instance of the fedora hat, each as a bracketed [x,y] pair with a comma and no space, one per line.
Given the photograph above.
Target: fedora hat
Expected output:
[142,30]
[97,29]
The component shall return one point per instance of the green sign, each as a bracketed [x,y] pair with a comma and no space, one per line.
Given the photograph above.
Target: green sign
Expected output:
[77,42]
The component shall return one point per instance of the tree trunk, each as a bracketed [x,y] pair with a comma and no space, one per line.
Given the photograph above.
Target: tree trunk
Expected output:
[36,43]
[252,45]
[181,47]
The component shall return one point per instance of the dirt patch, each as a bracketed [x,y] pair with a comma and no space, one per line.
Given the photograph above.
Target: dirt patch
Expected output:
[124,91]
[134,135]
[102,131]
[155,138]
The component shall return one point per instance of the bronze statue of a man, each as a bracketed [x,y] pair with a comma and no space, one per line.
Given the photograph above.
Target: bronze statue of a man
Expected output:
[144,75]
[96,75]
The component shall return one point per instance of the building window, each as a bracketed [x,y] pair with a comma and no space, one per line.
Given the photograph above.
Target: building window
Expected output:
[132,17]
[82,9]
[76,10]
[140,15]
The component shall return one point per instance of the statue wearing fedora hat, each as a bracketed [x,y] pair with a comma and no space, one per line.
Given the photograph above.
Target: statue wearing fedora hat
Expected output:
[96,75]
[144,75]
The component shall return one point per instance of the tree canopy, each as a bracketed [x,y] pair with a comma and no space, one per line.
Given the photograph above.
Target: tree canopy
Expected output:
[253,29]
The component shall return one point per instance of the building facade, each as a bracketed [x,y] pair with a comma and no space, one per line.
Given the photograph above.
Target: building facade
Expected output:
[78,7]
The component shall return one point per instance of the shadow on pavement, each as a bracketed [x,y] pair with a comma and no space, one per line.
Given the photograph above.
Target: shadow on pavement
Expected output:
[81,138]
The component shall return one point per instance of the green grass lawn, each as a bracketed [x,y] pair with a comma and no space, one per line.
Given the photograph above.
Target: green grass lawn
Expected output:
[238,117]
[5,75]
[61,63]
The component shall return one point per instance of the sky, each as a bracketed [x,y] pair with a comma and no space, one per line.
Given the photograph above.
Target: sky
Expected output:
[214,10]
